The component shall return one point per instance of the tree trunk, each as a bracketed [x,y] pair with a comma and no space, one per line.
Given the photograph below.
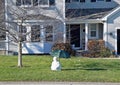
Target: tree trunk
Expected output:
[19,54]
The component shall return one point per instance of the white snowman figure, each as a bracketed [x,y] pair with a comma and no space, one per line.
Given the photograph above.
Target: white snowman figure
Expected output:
[56,66]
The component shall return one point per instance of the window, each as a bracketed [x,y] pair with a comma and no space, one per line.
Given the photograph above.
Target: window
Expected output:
[93,0]
[2,35]
[35,2]
[75,0]
[18,2]
[108,0]
[67,1]
[23,2]
[49,33]
[22,31]
[35,33]
[43,2]
[93,31]
[82,0]
[52,2]
[26,2]
[100,0]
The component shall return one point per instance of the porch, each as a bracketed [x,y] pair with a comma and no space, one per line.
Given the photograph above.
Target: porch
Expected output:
[78,35]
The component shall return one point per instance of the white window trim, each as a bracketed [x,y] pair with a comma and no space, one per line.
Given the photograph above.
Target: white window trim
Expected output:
[96,37]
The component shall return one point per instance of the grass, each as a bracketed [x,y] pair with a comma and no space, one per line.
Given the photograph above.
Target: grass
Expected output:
[37,68]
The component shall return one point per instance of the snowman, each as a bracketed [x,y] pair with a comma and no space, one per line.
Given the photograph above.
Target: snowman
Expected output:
[56,66]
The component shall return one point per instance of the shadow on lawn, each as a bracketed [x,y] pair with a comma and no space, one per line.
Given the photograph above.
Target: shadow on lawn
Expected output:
[90,69]
[15,66]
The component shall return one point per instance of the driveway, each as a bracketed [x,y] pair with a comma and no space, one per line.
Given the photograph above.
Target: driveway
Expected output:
[57,83]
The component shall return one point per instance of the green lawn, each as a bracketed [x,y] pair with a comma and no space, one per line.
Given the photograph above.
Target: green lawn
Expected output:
[37,68]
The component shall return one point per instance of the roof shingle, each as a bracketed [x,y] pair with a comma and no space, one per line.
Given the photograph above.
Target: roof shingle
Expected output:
[87,13]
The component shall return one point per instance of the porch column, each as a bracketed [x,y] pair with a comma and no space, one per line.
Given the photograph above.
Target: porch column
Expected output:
[86,36]
[105,32]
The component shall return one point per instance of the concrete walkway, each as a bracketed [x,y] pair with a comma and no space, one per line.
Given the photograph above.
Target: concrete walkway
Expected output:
[57,83]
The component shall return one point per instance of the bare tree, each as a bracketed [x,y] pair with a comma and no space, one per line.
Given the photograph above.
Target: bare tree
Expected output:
[15,34]
[15,19]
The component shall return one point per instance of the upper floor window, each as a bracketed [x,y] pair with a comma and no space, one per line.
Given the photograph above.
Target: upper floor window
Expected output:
[67,1]
[26,2]
[108,0]
[100,0]
[82,0]
[52,2]
[35,2]
[93,0]
[75,0]
[43,3]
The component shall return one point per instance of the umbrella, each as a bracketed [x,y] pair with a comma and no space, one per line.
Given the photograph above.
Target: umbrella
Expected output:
[60,54]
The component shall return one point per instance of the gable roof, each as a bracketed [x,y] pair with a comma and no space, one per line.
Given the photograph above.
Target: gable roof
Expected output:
[87,13]
[116,10]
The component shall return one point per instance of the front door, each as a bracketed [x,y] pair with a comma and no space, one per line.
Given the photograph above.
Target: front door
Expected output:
[75,35]
[118,41]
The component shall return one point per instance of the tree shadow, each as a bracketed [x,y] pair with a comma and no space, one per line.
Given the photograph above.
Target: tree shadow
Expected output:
[24,66]
[89,69]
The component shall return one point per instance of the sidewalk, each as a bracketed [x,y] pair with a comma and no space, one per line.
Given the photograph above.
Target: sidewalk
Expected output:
[57,83]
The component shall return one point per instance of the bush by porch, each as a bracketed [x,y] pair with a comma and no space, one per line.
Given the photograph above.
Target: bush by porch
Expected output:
[96,48]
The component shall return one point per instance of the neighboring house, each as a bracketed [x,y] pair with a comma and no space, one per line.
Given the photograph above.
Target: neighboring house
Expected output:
[93,19]
[76,21]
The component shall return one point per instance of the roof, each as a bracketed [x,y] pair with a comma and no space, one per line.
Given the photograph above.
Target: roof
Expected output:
[36,17]
[39,17]
[87,13]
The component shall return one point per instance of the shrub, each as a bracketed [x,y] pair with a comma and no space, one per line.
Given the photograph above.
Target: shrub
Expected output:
[105,52]
[64,46]
[95,45]
[96,48]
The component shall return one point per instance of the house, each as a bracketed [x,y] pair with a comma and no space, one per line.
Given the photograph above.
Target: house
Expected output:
[76,21]
[93,19]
